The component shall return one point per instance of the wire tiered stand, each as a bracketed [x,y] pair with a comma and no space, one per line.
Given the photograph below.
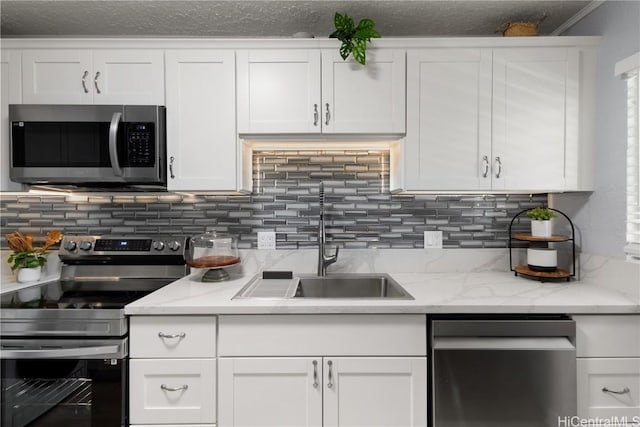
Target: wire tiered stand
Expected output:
[543,242]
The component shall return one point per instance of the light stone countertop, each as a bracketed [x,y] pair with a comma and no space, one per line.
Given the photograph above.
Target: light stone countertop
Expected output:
[448,281]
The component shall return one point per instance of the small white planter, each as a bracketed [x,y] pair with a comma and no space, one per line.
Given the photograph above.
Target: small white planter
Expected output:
[28,274]
[541,228]
[542,259]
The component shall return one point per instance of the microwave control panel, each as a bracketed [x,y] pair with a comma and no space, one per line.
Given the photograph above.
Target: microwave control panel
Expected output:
[140,141]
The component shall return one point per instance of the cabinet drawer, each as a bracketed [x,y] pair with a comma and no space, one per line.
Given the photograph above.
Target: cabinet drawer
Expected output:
[320,335]
[617,375]
[607,336]
[172,391]
[173,336]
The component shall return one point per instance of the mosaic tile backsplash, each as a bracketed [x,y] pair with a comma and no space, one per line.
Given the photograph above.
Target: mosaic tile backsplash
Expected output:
[360,211]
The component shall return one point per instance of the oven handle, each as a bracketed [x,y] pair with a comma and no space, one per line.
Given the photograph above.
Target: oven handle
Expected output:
[113,141]
[97,352]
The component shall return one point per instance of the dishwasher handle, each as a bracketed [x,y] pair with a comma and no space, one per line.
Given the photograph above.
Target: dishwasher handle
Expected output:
[502,343]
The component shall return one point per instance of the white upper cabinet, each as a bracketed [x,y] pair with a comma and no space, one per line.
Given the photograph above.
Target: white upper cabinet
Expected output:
[279,91]
[101,76]
[315,91]
[9,94]
[363,99]
[535,96]
[448,143]
[201,132]
[501,119]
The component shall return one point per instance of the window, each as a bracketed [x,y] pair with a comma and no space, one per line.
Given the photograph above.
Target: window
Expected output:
[629,70]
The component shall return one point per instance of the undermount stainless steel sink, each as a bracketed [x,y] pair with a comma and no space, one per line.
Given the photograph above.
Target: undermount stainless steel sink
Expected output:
[366,286]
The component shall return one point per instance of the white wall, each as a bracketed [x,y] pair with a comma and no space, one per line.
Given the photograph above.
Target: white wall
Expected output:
[600,216]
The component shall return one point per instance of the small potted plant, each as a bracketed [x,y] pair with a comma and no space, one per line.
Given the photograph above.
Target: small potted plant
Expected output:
[27,259]
[354,38]
[541,221]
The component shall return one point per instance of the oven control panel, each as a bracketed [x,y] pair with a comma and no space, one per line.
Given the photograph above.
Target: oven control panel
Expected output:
[78,247]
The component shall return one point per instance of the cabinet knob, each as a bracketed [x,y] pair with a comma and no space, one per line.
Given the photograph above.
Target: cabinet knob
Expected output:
[95,82]
[171,159]
[499,162]
[84,81]
[623,391]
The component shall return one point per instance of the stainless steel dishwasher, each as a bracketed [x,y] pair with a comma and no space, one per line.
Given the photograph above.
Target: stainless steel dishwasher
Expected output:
[503,371]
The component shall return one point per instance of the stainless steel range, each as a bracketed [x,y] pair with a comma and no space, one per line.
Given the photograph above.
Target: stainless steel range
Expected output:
[64,344]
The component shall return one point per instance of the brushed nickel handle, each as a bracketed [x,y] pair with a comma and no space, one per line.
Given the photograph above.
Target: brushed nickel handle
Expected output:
[171,159]
[95,81]
[180,335]
[167,388]
[84,81]
[499,162]
[485,163]
[624,390]
[315,374]
[330,383]
[327,115]
[315,114]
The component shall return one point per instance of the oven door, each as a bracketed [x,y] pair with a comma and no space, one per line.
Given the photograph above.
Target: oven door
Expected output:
[64,383]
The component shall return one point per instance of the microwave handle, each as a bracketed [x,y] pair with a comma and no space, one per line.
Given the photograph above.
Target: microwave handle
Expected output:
[113,141]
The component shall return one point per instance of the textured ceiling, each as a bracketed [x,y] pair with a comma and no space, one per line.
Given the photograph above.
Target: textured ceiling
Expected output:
[275,18]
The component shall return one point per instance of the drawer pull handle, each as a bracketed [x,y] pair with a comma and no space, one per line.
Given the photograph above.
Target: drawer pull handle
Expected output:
[624,390]
[315,114]
[180,335]
[167,388]
[330,383]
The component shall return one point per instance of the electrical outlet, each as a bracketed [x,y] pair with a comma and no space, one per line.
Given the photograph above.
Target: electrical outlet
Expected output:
[433,239]
[266,240]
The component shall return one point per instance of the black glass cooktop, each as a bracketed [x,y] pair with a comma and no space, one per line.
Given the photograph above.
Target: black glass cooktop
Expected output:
[53,295]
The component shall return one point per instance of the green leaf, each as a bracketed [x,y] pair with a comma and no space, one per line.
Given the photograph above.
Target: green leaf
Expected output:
[343,22]
[359,47]
[345,49]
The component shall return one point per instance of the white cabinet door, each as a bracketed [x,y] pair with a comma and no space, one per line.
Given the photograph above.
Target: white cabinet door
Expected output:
[57,76]
[364,99]
[10,93]
[535,92]
[83,76]
[274,392]
[172,391]
[448,142]
[368,392]
[201,133]
[279,91]
[128,76]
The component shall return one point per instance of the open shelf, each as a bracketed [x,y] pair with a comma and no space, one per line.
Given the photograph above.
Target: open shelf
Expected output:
[558,274]
[530,238]
[535,241]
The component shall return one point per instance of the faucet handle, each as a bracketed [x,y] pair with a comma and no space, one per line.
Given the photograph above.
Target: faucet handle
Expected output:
[333,258]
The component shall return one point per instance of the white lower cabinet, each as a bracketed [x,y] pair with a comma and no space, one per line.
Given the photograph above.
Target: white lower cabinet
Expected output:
[323,391]
[270,391]
[608,369]
[173,391]
[282,370]
[172,371]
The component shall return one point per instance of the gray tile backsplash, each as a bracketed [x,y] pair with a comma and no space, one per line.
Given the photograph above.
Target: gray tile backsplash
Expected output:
[360,210]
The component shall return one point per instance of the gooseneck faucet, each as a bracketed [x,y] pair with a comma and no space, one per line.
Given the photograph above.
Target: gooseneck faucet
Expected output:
[323,259]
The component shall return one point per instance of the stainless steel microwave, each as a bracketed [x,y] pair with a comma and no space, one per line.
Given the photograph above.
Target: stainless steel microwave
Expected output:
[88,145]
